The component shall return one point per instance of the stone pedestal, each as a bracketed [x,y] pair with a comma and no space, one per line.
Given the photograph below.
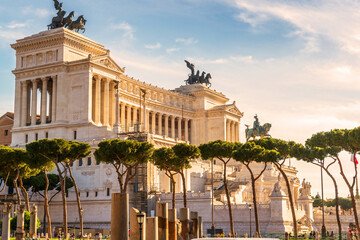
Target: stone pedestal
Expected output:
[6,221]
[152,228]
[172,224]
[20,233]
[33,221]
[184,219]
[195,223]
[120,216]
[163,224]
[135,227]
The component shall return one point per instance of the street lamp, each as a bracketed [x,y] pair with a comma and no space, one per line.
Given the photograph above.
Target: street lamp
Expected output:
[140,219]
[323,229]
[250,218]
[212,200]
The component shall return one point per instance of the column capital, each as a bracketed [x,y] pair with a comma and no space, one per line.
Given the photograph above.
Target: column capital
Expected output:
[44,78]
[35,80]
[96,76]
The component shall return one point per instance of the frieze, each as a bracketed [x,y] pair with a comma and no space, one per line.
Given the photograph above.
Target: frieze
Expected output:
[88,173]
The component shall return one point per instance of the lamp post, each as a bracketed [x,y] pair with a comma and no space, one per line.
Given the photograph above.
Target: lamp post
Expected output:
[250,218]
[323,229]
[140,219]
[212,200]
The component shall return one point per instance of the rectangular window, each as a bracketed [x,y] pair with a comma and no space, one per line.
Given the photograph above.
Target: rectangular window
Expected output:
[46,135]
[6,132]
[36,136]
[75,134]
[96,194]
[26,138]
[71,164]
[87,194]
[67,194]
[79,194]
[89,161]
[80,162]
[108,192]
[97,162]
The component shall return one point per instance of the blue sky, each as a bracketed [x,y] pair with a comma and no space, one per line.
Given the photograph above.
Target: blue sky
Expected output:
[294,63]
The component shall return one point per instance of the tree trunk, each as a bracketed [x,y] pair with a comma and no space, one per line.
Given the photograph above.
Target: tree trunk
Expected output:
[63,195]
[46,205]
[290,199]
[16,187]
[5,182]
[173,193]
[336,202]
[351,190]
[229,203]
[78,202]
[184,188]
[25,194]
[254,202]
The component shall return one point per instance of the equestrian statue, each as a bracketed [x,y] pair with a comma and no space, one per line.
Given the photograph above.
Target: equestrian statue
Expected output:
[61,21]
[196,78]
[257,130]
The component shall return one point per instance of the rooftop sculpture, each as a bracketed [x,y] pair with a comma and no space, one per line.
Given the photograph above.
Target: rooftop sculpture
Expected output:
[197,78]
[257,130]
[61,21]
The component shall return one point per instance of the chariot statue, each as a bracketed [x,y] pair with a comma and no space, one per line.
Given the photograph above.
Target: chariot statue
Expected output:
[257,130]
[196,78]
[61,21]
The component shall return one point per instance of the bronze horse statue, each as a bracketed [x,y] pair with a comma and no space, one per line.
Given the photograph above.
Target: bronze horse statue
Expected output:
[66,21]
[78,24]
[57,21]
[252,133]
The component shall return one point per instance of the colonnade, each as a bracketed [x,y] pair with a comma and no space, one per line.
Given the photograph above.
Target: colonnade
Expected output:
[29,101]
[155,122]
[232,131]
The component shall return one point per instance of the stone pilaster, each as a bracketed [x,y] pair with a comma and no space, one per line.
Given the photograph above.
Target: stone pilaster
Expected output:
[160,132]
[106,111]
[179,128]
[122,116]
[53,100]
[172,126]
[24,103]
[166,126]
[6,221]
[153,121]
[128,117]
[186,128]
[20,233]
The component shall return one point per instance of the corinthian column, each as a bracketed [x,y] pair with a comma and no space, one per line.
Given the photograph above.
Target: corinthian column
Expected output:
[179,129]
[186,129]
[34,102]
[166,126]
[44,100]
[98,100]
[153,119]
[106,111]
[128,117]
[160,124]
[122,121]
[227,131]
[24,103]
[172,126]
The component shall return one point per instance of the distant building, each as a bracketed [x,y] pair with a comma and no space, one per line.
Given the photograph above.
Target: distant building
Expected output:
[6,125]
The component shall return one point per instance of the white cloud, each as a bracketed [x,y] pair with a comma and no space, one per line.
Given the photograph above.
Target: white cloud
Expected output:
[154,46]
[171,50]
[187,41]
[334,20]
[127,28]
[13,25]
[11,35]
[245,59]
[39,12]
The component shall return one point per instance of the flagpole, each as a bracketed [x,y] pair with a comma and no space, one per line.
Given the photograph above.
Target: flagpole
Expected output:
[357,185]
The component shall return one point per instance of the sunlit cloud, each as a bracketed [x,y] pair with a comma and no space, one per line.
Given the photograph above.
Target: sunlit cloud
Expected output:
[13,25]
[171,50]
[187,41]
[39,12]
[154,46]
[126,28]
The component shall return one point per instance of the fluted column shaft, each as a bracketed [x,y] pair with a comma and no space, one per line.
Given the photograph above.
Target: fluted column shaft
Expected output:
[186,128]
[24,103]
[172,126]
[44,100]
[34,102]
[232,131]
[227,130]
[153,119]
[135,115]
[166,126]
[106,111]
[122,121]
[237,132]
[160,124]
[179,129]
[128,117]
[97,100]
